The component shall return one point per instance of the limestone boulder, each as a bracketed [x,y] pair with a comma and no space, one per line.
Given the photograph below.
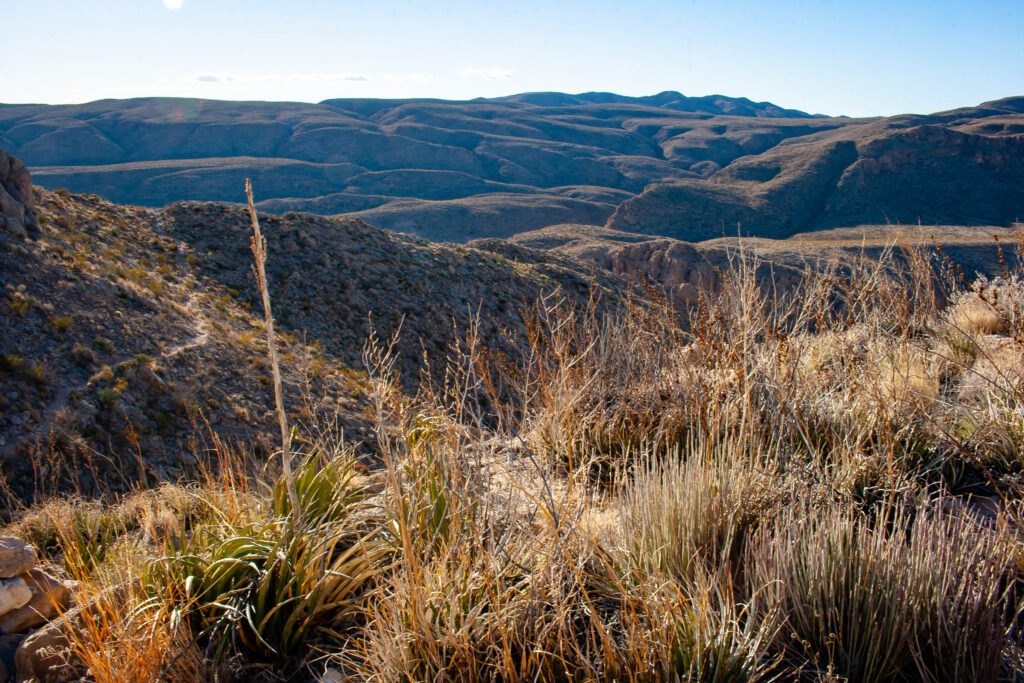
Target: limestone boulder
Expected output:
[16,557]
[50,597]
[14,594]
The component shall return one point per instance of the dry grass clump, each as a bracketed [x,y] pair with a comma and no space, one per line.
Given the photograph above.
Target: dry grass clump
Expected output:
[972,314]
[116,649]
[692,513]
[606,387]
[987,307]
[910,593]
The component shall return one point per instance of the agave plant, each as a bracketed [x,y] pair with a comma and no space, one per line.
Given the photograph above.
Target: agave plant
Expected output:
[324,486]
[273,588]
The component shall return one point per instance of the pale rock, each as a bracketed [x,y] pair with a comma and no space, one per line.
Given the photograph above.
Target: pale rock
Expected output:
[50,597]
[14,594]
[332,676]
[16,557]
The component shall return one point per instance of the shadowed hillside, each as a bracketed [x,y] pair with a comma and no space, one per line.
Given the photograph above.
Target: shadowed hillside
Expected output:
[125,332]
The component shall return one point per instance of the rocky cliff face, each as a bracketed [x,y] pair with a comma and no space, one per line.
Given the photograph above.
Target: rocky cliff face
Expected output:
[683,269]
[958,168]
[17,205]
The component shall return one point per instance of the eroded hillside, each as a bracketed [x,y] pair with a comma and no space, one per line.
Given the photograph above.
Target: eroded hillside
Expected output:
[127,333]
[964,167]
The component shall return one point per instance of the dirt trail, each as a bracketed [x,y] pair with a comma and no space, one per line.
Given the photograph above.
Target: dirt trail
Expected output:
[193,311]
[200,338]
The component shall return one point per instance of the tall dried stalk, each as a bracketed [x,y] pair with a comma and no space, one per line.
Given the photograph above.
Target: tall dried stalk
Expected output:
[259,254]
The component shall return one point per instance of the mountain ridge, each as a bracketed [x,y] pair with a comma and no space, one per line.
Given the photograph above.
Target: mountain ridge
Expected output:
[684,167]
[367,153]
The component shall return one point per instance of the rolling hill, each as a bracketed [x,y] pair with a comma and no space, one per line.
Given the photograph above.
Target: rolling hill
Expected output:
[128,333]
[670,165]
[449,170]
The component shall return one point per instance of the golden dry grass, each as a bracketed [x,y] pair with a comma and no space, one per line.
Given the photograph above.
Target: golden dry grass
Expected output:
[765,487]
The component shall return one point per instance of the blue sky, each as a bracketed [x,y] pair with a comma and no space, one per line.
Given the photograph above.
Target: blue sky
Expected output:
[855,58]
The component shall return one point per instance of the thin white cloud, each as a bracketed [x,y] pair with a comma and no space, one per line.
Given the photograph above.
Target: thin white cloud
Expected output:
[409,78]
[490,73]
[282,79]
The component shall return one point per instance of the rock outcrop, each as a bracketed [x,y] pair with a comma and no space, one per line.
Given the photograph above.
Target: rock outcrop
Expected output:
[17,206]
[48,597]
[30,598]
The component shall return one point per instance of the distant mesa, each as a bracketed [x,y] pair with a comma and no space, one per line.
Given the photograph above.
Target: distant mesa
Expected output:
[666,164]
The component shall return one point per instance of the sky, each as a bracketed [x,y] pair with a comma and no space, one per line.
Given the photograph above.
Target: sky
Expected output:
[863,58]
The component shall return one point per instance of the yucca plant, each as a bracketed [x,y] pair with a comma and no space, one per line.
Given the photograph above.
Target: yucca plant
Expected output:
[273,588]
[428,476]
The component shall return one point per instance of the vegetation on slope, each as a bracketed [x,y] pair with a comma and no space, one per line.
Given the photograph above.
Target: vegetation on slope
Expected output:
[124,329]
[815,485]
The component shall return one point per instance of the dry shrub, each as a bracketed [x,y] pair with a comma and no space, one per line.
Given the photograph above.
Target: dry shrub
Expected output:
[972,314]
[115,644]
[606,388]
[693,511]
[908,377]
[920,594]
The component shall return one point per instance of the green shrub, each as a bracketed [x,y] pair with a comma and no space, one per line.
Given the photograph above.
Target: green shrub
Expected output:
[107,397]
[62,323]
